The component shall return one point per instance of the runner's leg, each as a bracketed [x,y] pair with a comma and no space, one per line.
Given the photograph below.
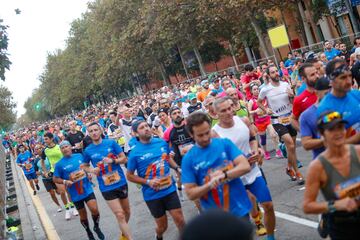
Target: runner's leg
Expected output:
[291,150]
[116,208]
[161,226]
[126,208]
[178,218]
[53,197]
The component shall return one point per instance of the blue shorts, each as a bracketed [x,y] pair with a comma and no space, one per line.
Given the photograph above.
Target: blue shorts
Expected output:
[31,176]
[260,190]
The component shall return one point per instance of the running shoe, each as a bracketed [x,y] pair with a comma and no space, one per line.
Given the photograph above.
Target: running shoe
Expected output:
[299,164]
[59,209]
[260,230]
[74,212]
[267,155]
[300,178]
[279,154]
[99,233]
[37,187]
[91,236]
[67,214]
[282,148]
[291,174]
[122,237]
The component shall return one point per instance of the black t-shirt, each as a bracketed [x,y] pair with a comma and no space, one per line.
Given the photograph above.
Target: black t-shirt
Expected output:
[87,140]
[74,138]
[179,138]
[355,70]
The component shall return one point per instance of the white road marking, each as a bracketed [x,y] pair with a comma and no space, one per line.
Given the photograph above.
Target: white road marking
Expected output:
[295,219]
[301,189]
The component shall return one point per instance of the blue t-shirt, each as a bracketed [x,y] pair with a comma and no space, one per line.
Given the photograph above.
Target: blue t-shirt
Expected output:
[96,153]
[348,106]
[330,55]
[308,127]
[151,161]
[39,167]
[6,144]
[68,168]
[197,166]
[24,158]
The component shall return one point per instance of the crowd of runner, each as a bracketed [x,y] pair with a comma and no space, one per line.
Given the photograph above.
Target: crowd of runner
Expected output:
[208,139]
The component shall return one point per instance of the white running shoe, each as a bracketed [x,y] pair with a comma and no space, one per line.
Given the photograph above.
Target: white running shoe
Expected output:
[59,209]
[67,214]
[74,212]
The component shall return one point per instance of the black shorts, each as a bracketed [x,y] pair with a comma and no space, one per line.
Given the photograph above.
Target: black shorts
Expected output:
[121,192]
[158,207]
[281,130]
[49,184]
[81,204]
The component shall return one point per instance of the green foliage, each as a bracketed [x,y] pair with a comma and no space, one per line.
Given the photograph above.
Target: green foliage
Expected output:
[7,106]
[117,46]
[4,59]
[319,9]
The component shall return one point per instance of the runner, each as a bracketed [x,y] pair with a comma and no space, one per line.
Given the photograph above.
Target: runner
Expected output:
[47,180]
[211,170]
[239,131]
[75,138]
[26,162]
[53,153]
[68,171]
[149,158]
[262,122]
[106,156]
[336,172]
[279,97]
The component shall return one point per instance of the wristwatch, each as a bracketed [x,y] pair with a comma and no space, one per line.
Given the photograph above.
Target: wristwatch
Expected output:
[331,206]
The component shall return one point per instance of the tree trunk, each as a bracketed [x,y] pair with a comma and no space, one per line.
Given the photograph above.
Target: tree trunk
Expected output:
[303,28]
[163,74]
[248,52]
[260,37]
[183,62]
[233,56]
[200,62]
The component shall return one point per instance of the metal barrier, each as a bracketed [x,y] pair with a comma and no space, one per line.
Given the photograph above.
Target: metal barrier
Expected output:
[2,193]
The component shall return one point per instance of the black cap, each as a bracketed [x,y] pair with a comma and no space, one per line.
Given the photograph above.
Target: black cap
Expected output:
[329,119]
[165,110]
[173,108]
[322,83]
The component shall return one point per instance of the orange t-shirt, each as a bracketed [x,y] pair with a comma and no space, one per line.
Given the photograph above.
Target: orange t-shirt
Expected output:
[202,95]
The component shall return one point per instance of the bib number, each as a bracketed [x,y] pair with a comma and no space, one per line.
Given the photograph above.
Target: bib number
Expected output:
[77,175]
[349,188]
[284,120]
[28,166]
[184,148]
[111,178]
[165,182]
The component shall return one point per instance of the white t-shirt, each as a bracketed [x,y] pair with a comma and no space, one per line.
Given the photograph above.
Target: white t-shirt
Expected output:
[277,98]
[239,134]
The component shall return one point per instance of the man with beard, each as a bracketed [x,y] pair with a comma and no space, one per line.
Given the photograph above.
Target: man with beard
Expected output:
[308,97]
[180,142]
[150,158]
[205,91]
[279,97]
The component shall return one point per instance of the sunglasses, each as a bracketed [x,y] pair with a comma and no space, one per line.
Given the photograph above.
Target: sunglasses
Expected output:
[328,118]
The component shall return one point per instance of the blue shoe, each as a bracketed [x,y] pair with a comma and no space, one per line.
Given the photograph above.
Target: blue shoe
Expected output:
[282,148]
[299,164]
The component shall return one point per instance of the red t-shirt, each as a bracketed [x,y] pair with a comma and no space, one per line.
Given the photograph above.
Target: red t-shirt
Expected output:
[247,79]
[303,102]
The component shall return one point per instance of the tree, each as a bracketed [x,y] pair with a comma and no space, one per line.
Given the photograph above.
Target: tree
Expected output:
[4,59]
[7,106]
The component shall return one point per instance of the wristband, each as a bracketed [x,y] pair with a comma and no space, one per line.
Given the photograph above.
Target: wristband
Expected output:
[331,206]
[147,181]
[252,138]
[225,173]
[64,182]
[177,168]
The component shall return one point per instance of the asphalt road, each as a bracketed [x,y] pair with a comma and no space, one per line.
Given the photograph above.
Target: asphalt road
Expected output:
[292,223]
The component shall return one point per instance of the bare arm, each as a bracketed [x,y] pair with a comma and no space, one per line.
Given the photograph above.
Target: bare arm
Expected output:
[295,122]
[310,143]
[242,167]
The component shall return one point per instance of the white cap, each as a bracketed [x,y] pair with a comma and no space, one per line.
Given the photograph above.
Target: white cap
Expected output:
[357,51]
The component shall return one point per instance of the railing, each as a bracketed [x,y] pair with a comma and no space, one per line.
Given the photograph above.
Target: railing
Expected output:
[2,193]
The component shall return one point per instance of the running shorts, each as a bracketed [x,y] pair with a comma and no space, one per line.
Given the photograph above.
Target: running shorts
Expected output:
[158,207]
[284,129]
[260,190]
[49,184]
[81,204]
[261,127]
[31,176]
[121,192]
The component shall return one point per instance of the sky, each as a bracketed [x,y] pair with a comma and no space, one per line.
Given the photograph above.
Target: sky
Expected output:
[41,27]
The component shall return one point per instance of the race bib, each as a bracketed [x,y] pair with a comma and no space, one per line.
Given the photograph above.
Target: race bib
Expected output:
[111,178]
[77,175]
[165,182]
[349,188]
[285,120]
[184,148]
[121,141]
[222,168]
[28,166]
